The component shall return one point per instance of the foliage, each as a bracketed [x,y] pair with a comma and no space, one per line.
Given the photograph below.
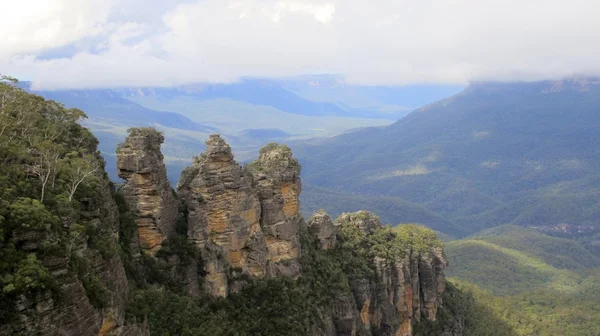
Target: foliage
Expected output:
[27,214]
[322,276]
[30,277]
[515,153]
[153,138]
[558,252]
[503,271]
[275,158]
[537,284]
[50,184]
[465,314]
[265,307]
[543,312]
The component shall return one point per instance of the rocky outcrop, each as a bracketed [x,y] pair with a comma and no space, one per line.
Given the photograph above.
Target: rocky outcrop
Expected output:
[406,287]
[321,226]
[276,175]
[364,220]
[224,217]
[245,222]
[147,191]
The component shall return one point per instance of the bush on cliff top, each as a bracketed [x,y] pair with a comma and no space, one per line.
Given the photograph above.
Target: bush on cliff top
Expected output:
[275,158]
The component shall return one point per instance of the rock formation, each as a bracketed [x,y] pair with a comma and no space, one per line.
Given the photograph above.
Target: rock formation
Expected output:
[247,222]
[322,227]
[147,191]
[277,180]
[224,217]
[244,221]
[405,288]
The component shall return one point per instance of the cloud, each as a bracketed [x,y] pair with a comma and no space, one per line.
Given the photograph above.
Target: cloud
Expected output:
[145,43]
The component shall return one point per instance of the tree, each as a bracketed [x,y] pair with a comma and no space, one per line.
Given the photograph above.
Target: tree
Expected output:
[31,276]
[28,214]
[78,170]
[46,160]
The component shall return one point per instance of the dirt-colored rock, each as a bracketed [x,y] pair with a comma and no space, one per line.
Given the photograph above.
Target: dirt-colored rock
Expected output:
[322,227]
[404,290]
[147,190]
[224,216]
[276,175]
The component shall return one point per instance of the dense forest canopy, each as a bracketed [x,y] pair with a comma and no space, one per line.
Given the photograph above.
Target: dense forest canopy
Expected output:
[49,167]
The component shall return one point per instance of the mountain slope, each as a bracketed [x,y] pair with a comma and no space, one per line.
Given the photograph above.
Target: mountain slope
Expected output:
[536,283]
[488,156]
[105,105]
[323,95]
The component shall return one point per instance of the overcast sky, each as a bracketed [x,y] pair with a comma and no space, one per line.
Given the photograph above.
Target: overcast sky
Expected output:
[107,43]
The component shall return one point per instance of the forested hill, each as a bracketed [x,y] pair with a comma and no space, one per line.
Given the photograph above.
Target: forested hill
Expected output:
[496,153]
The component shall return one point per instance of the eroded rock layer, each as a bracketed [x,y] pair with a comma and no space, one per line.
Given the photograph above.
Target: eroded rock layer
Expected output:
[322,227]
[147,191]
[276,176]
[224,217]
[407,286]
[247,222]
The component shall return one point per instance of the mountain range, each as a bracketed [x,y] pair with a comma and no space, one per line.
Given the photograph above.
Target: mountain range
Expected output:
[249,113]
[493,154]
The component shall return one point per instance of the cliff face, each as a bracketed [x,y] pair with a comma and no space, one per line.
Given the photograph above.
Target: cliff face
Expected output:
[224,217]
[247,222]
[147,190]
[244,222]
[73,313]
[407,285]
[321,226]
[276,176]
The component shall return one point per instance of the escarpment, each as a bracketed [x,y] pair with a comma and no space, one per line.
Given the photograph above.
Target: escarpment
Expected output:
[147,191]
[92,287]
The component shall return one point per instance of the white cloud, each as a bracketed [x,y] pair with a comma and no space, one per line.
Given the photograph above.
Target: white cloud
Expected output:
[374,42]
[30,26]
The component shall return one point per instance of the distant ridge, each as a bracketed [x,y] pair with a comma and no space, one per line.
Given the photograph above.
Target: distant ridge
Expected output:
[495,153]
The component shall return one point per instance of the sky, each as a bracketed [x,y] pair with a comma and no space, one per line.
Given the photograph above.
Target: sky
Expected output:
[116,43]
